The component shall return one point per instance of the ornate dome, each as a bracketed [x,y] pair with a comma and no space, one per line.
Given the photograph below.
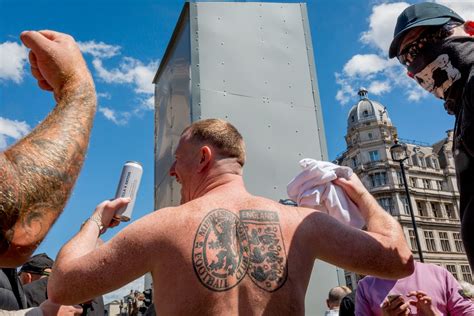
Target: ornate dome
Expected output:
[367,111]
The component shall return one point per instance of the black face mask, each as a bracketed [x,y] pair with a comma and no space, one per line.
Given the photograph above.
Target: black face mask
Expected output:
[443,67]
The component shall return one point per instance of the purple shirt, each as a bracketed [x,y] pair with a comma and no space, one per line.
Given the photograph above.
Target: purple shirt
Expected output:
[435,281]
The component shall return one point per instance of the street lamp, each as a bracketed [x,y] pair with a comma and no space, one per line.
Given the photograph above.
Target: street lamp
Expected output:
[400,154]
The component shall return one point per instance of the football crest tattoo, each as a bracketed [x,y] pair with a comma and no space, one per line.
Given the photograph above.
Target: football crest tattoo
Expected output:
[227,248]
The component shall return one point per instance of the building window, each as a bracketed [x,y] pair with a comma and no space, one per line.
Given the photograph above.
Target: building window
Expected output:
[452,269]
[445,245]
[421,208]
[458,242]
[370,136]
[422,162]
[365,113]
[413,182]
[415,160]
[435,163]
[378,179]
[439,185]
[406,207]
[466,273]
[399,178]
[435,207]
[449,211]
[374,155]
[411,234]
[348,281]
[352,118]
[430,241]
[427,183]
[386,203]
[354,161]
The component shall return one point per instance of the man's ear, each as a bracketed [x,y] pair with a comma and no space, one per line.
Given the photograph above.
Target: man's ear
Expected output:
[205,157]
[25,278]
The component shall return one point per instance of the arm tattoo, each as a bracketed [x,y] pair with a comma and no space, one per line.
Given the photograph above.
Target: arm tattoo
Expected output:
[38,173]
[227,248]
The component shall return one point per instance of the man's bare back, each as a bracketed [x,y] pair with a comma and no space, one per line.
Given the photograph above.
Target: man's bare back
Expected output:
[224,251]
[236,256]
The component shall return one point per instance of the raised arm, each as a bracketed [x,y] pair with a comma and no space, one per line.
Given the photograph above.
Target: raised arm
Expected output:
[39,172]
[83,271]
[381,250]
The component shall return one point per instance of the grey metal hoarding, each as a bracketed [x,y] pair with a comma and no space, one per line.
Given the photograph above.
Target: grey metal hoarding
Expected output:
[251,64]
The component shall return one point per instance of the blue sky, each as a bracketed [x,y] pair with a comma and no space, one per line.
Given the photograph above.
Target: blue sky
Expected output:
[123,42]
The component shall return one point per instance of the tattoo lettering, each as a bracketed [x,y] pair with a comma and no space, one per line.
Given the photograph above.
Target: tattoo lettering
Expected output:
[220,251]
[227,248]
[268,263]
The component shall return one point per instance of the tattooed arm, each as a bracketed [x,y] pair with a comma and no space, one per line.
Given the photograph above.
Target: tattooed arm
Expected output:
[39,172]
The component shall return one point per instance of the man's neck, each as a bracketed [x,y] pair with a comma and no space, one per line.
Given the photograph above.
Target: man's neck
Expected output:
[224,175]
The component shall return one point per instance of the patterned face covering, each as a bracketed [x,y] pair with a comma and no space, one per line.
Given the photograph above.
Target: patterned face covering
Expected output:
[428,60]
[442,67]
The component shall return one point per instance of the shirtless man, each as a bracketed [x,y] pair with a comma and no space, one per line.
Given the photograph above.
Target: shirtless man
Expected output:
[223,250]
[38,173]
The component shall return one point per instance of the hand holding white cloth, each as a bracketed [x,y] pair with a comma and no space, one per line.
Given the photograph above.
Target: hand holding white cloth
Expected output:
[313,188]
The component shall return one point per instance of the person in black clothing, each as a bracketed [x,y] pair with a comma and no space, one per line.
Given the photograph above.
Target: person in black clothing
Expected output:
[347,307]
[437,47]
[12,296]
[34,277]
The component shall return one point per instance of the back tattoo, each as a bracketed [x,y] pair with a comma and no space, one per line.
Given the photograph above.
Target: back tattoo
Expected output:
[227,248]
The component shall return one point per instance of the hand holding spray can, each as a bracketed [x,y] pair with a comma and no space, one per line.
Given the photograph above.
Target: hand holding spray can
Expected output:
[128,187]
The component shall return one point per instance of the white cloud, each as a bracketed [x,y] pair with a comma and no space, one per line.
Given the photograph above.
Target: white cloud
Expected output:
[118,294]
[130,71]
[374,70]
[379,87]
[103,95]
[119,118]
[99,49]
[12,129]
[381,25]
[363,65]
[13,57]
[465,8]
[346,93]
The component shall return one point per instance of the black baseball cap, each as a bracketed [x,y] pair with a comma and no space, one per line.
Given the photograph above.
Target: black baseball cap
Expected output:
[421,14]
[37,264]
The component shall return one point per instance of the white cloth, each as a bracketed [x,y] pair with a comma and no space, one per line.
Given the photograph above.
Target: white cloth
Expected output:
[313,188]
[35,311]
[332,312]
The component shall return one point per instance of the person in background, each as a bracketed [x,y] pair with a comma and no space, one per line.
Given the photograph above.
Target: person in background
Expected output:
[430,290]
[34,277]
[347,307]
[334,299]
[436,46]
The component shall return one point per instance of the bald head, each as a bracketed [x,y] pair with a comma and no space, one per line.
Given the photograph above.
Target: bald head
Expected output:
[336,295]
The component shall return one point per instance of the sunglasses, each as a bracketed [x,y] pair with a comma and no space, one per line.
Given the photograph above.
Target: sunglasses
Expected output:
[431,36]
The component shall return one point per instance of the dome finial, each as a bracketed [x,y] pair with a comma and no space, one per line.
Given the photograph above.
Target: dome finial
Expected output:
[363,93]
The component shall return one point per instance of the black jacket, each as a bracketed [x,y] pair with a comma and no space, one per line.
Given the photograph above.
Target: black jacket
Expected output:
[36,292]
[11,291]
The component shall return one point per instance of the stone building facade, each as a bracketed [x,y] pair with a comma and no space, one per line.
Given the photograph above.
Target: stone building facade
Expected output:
[431,182]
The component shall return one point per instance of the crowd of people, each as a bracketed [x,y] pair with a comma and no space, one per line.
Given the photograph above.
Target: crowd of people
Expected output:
[223,250]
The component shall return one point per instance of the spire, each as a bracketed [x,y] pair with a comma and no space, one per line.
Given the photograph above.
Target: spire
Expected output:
[363,93]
